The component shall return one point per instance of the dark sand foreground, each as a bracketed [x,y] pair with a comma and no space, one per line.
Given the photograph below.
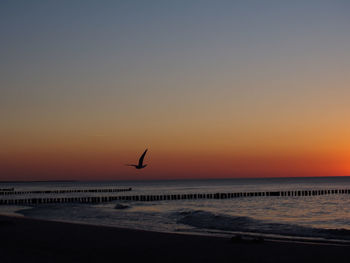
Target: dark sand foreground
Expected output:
[29,240]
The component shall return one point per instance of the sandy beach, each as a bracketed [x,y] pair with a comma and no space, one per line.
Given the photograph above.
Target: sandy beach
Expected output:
[32,240]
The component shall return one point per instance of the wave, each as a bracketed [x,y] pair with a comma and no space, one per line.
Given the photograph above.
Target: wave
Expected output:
[213,221]
[121,206]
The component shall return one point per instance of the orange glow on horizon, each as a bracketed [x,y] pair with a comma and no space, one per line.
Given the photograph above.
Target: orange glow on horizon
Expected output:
[111,166]
[211,94]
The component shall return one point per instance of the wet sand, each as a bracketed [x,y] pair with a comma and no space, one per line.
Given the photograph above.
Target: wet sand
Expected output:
[32,240]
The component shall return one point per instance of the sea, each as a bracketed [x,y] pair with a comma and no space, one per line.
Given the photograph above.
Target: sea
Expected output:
[323,218]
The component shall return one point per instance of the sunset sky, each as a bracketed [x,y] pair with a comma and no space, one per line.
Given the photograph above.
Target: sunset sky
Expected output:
[213,89]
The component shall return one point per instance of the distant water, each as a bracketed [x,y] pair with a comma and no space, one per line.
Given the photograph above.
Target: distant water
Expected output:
[316,217]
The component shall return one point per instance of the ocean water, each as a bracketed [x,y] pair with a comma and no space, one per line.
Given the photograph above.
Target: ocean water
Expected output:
[325,217]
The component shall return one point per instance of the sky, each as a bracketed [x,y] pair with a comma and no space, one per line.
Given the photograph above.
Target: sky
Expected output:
[214,89]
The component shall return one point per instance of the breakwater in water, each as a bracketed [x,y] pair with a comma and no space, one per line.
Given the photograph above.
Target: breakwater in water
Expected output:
[64,191]
[149,198]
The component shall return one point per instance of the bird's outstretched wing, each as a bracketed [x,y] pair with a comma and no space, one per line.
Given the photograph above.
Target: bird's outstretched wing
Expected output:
[141,158]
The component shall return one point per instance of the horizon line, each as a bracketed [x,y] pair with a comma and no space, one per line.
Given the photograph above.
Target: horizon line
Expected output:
[173,179]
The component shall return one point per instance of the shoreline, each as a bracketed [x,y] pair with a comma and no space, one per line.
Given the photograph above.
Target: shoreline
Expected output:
[35,240]
[211,233]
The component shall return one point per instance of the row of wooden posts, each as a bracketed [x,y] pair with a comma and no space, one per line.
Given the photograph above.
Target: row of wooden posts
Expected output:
[64,191]
[145,198]
[7,189]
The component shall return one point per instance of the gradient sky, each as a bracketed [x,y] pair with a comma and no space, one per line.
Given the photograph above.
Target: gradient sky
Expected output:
[214,89]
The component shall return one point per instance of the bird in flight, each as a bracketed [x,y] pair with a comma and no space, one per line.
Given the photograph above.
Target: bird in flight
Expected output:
[140,165]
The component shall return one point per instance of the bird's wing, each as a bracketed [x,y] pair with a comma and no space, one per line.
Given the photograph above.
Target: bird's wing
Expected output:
[141,158]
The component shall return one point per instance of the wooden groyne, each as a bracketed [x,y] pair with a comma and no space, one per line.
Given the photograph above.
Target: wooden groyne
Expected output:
[149,198]
[232,195]
[7,189]
[56,200]
[64,191]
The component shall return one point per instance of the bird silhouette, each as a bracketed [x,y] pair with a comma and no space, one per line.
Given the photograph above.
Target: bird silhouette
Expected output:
[140,165]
